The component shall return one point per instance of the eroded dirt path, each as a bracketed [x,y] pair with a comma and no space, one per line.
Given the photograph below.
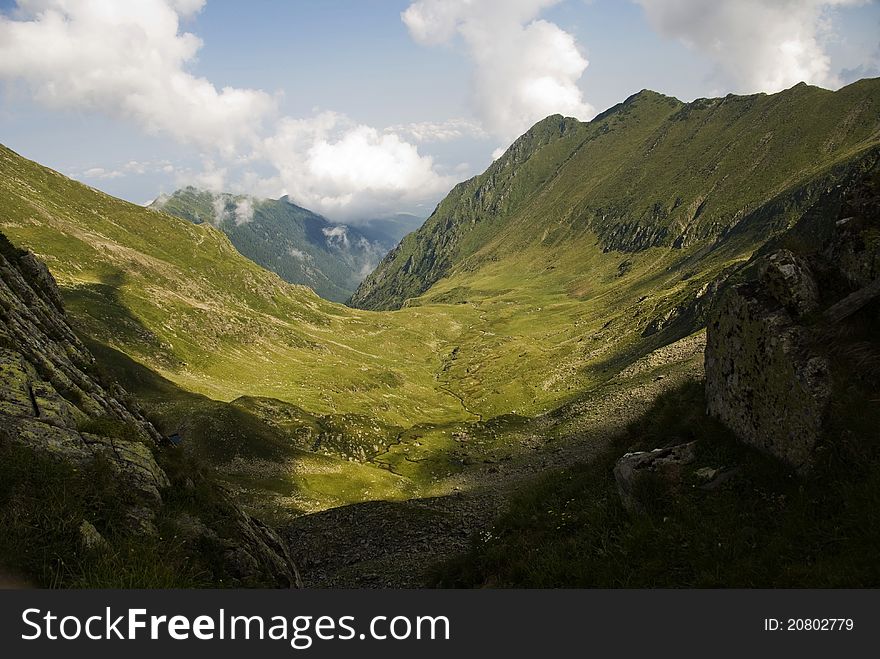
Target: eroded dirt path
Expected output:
[383,544]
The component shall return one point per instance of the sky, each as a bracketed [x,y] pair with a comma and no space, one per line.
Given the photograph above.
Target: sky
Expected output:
[359,109]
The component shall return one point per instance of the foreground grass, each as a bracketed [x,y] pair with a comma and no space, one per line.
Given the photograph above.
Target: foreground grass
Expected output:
[44,502]
[763,528]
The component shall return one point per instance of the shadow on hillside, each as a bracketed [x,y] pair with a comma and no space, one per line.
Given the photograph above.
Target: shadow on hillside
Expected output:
[213,430]
[100,308]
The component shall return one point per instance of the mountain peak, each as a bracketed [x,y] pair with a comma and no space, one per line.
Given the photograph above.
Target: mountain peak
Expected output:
[645,97]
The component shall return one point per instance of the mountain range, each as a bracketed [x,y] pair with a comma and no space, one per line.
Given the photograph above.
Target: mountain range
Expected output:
[535,316]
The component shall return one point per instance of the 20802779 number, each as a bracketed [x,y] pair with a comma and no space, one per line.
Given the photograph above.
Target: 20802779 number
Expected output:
[820,624]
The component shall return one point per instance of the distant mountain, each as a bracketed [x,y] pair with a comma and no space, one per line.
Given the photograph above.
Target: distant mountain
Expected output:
[651,172]
[295,243]
[391,229]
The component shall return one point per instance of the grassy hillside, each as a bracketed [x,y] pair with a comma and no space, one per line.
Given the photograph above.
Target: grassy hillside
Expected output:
[650,172]
[167,301]
[298,245]
[568,270]
[180,299]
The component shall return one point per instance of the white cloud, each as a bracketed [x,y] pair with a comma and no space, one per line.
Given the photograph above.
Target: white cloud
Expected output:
[135,167]
[132,167]
[343,169]
[227,207]
[219,208]
[298,254]
[337,235]
[756,45]
[212,177]
[244,211]
[525,68]
[101,173]
[126,59]
[439,131]
[131,60]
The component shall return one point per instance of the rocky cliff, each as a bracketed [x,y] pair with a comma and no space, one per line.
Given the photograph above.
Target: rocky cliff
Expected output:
[56,409]
[794,340]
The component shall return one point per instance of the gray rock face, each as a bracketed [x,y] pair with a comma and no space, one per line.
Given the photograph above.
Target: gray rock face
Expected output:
[788,279]
[769,350]
[685,317]
[634,472]
[53,405]
[48,394]
[854,247]
[261,552]
[89,537]
[762,380]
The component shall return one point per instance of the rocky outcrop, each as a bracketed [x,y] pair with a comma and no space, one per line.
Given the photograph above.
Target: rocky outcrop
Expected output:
[54,403]
[789,280]
[50,401]
[637,474]
[762,379]
[688,315]
[774,339]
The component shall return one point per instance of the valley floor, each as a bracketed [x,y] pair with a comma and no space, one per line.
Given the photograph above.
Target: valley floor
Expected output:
[388,544]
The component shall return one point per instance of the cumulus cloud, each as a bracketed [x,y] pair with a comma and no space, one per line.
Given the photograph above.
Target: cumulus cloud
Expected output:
[101,173]
[298,254]
[132,167]
[525,68]
[130,60]
[211,177]
[756,45]
[221,214]
[344,169]
[227,207]
[127,59]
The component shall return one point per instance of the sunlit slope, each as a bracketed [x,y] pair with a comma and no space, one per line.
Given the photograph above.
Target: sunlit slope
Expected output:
[650,172]
[607,241]
[178,298]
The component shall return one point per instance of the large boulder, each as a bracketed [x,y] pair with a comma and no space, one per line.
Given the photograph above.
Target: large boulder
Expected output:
[789,280]
[796,315]
[641,473]
[762,378]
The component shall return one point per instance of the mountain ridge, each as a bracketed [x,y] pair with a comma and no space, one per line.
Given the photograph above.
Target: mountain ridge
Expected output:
[650,171]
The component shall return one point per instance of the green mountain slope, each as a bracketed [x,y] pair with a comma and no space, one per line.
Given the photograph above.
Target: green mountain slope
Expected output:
[180,299]
[300,246]
[559,280]
[286,393]
[650,172]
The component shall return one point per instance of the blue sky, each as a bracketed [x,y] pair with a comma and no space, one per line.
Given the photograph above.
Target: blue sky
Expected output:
[359,108]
